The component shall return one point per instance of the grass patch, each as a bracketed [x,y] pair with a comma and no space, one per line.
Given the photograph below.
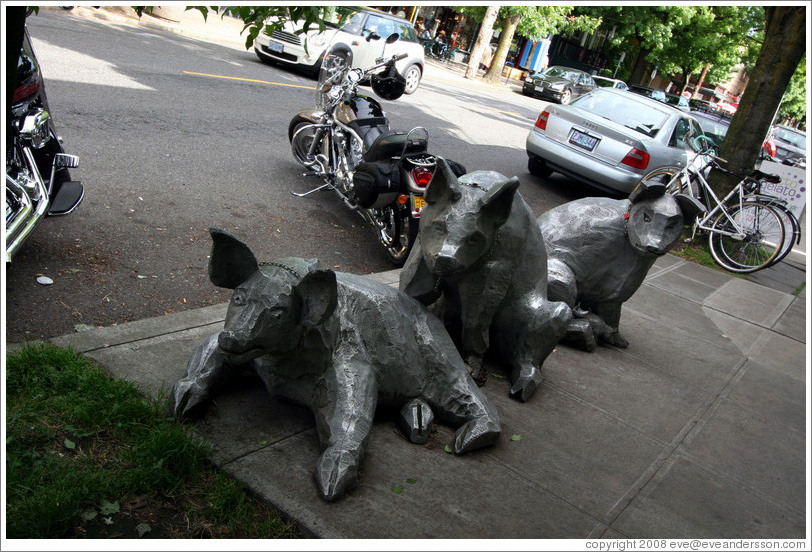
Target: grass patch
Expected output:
[91,456]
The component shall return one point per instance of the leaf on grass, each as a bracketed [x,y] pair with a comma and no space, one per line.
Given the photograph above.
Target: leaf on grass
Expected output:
[143,529]
[515,437]
[499,376]
[411,481]
[263,443]
[70,444]
[87,515]
[107,508]
[396,489]
[83,327]
[448,449]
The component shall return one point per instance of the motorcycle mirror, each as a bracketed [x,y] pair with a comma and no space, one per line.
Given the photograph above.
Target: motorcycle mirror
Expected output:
[392,38]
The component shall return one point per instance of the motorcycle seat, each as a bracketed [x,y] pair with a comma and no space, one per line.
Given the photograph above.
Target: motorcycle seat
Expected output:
[391,144]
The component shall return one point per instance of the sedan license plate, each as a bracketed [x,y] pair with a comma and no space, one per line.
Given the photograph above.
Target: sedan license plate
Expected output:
[417,204]
[275,46]
[583,140]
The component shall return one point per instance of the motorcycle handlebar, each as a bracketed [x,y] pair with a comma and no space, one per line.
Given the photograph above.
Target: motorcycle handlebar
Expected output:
[392,60]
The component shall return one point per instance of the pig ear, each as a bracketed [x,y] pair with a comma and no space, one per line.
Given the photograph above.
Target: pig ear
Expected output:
[690,207]
[232,262]
[646,190]
[443,186]
[319,293]
[498,201]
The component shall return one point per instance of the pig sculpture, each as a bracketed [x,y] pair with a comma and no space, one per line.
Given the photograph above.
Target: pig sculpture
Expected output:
[339,344]
[600,251]
[479,258]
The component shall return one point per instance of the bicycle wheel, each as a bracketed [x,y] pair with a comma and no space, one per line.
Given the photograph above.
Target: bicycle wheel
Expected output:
[747,238]
[675,180]
[792,227]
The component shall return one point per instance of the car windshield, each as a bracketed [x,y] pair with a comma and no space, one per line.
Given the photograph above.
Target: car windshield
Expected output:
[562,72]
[351,20]
[624,110]
[794,138]
[606,83]
[713,129]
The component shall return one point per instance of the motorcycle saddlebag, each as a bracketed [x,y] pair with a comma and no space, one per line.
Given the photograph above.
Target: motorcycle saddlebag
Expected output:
[373,178]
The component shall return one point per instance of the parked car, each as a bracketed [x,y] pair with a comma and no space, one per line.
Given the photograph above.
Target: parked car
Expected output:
[658,95]
[703,105]
[715,125]
[606,82]
[560,84]
[678,101]
[358,35]
[790,144]
[609,139]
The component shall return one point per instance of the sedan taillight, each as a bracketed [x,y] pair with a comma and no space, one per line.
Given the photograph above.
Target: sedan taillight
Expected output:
[637,159]
[541,122]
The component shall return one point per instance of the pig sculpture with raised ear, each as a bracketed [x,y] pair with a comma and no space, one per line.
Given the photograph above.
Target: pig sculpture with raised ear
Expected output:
[601,249]
[340,344]
[479,260]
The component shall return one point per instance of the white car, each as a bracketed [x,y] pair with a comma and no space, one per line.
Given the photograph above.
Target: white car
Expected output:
[358,35]
[606,82]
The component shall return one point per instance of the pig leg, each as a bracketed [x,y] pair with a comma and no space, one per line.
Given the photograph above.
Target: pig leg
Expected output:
[344,407]
[609,312]
[453,394]
[208,369]
[527,331]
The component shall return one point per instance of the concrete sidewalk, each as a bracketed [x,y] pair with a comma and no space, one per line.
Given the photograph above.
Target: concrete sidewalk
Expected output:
[697,430]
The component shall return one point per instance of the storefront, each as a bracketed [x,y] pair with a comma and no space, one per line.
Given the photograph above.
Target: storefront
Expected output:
[460,29]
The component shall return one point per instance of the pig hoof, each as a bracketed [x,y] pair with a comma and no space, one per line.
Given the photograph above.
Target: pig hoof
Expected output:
[525,382]
[190,400]
[476,434]
[581,335]
[616,339]
[336,473]
[416,420]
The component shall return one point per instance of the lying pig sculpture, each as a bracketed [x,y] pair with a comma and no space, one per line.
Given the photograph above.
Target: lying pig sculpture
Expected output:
[337,343]
[600,251]
[480,258]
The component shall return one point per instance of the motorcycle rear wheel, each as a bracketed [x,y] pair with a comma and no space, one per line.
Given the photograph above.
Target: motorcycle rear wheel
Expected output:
[401,230]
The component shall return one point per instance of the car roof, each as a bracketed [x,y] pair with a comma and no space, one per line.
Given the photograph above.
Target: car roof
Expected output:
[791,129]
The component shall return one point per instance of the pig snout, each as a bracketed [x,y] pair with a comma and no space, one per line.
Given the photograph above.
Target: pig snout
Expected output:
[228,342]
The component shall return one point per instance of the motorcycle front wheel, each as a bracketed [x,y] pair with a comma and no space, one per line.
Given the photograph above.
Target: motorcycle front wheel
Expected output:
[398,233]
[301,142]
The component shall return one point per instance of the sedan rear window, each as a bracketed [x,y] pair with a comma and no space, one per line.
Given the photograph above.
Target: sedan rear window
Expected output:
[624,110]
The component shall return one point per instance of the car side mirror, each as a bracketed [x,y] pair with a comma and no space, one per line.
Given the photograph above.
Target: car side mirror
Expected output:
[373,36]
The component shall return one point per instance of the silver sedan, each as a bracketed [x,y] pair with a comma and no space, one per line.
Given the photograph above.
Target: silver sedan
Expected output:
[609,139]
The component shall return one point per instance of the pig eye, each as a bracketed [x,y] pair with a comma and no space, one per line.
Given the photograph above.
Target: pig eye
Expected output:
[277,312]
[646,217]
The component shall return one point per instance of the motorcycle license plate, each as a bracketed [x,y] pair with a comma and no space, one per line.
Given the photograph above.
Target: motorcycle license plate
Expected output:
[275,46]
[583,140]
[417,204]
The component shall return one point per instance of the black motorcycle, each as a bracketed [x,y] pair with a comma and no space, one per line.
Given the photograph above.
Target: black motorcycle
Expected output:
[38,180]
[379,172]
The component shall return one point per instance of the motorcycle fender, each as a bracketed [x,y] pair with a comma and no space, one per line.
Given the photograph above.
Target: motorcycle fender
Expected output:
[313,115]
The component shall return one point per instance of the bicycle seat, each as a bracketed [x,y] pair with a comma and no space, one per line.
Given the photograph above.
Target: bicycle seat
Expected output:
[774,178]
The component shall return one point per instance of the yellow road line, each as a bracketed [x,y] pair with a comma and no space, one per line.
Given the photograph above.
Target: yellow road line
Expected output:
[249,80]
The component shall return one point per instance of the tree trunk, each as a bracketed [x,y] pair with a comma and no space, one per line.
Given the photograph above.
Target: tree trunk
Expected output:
[483,39]
[701,80]
[494,72]
[784,46]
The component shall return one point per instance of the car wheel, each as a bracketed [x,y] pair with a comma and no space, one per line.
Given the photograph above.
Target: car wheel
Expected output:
[412,76]
[566,97]
[538,167]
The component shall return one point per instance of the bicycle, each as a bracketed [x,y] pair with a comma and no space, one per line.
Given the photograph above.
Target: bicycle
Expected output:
[746,232]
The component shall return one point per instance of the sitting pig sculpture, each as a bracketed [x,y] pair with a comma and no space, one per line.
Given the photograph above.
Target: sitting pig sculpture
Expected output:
[480,258]
[339,344]
[601,249]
